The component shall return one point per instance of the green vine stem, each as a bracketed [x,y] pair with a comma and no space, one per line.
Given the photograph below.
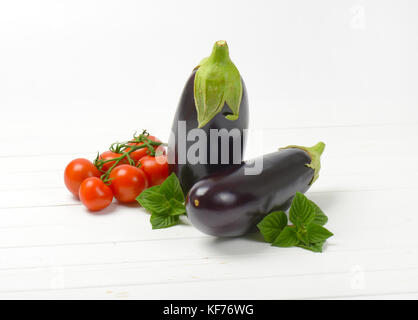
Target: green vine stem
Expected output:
[125,149]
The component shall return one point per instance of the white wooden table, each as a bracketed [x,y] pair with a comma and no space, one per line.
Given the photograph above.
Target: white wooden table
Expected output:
[51,247]
[75,78]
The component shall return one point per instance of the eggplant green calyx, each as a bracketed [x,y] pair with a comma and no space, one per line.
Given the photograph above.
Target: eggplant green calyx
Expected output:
[217,81]
[315,153]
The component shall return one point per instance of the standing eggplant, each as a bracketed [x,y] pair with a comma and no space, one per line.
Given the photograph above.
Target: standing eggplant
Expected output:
[231,203]
[215,102]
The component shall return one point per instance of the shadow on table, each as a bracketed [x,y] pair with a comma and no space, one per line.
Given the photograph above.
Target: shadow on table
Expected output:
[251,243]
[109,210]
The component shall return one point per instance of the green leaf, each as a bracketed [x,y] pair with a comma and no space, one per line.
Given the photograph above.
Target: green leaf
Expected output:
[314,153]
[307,231]
[233,91]
[165,202]
[271,226]
[302,235]
[155,188]
[209,87]
[177,208]
[302,212]
[317,233]
[163,221]
[171,188]
[153,201]
[315,247]
[287,238]
[232,117]
[320,217]
[217,80]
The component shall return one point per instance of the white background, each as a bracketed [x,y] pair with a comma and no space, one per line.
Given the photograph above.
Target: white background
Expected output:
[76,76]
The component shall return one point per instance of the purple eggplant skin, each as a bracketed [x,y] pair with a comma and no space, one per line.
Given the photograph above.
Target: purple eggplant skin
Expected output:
[230,203]
[189,173]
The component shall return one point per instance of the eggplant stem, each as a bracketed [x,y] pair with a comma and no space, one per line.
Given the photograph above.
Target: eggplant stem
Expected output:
[314,153]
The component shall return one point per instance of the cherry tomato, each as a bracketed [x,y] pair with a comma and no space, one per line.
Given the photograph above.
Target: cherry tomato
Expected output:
[77,171]
[127,182]
[160,151]
[109,155]
[95,195]
[140,153]
[156,169]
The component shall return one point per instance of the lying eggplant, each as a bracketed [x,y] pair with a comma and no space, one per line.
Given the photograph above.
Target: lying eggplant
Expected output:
[231,203]
[214,98]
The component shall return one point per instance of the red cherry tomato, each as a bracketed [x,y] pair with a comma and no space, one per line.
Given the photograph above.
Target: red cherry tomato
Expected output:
[95,195]
[77,171]
[109,155]
[140,153]
[156,169]
[127,182]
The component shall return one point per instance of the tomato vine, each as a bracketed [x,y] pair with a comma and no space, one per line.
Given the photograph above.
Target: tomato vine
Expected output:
[125,149]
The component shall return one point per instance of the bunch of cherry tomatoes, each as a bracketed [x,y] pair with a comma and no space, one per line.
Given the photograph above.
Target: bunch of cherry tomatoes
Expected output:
[123,172]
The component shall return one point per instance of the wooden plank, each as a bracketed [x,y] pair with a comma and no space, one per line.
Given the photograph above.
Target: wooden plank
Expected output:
[358,220]
[285,286]
[341,140]
[351,174]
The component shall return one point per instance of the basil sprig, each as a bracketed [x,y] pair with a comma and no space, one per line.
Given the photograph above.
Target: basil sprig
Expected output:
[307,230]
[165,203]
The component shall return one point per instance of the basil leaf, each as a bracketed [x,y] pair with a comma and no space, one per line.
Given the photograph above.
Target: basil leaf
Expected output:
[315,247]
[177,208]
[317,233]
[302,236]
[307,232]
[287,238]
[163,221]
[271,226]
[170,188]
[302,211]
[320,217]
[164,202]
[153,201]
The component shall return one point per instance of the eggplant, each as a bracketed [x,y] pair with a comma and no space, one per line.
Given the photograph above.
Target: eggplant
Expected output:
[232,202]
[214,98]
